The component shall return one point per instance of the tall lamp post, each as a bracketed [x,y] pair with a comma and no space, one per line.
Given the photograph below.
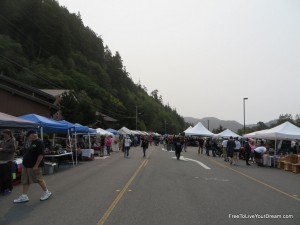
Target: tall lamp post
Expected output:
[244,99]
[136,116]
[165,127]
[207,124]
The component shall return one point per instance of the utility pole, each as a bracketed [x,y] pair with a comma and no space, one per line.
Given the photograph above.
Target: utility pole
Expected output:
[136,115]
[244,99]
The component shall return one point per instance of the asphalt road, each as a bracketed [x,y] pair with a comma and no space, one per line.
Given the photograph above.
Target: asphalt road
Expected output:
[159,190]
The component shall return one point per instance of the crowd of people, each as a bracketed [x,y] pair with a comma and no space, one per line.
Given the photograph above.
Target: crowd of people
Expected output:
[231,149]
[33,149]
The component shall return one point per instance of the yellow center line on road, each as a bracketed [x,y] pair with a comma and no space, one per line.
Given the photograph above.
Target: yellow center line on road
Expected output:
[254,179]
[147,160]
[121,194]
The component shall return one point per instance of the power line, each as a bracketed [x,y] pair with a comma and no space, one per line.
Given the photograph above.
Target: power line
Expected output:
[33,73]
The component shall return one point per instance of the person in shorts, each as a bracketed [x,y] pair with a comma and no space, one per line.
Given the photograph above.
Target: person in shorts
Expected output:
[236,152]
[230,149]
[32,168]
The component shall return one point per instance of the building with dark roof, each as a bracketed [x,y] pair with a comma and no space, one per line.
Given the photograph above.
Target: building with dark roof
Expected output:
[17,98]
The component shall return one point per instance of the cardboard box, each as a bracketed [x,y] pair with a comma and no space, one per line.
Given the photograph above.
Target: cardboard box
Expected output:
[287,166]
[296,168]
[280,165]
[294,159]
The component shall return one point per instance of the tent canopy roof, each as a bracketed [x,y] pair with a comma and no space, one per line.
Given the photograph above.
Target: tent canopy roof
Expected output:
[227,133]
[285,130]
[124,130]
[199,130]
[103,132]
[48,125]
[9,121]
[112,131]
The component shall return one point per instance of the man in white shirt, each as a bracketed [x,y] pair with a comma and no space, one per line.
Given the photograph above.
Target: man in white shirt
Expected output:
[236,151]
[127,144]
[224,145]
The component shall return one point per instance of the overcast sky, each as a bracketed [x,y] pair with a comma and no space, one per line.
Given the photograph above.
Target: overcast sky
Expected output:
[205,56]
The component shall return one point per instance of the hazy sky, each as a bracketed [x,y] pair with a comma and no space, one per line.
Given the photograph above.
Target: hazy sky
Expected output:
[205,56]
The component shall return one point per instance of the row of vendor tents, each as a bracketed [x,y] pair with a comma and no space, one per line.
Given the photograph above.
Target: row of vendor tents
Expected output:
[47,125]
[284,131]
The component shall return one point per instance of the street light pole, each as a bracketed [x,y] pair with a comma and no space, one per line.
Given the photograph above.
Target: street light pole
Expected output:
[207,124]
[136,115]
[244,99]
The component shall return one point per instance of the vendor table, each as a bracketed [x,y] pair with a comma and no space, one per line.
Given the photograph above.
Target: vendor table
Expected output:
[89,153]
[270,160]
[58,158]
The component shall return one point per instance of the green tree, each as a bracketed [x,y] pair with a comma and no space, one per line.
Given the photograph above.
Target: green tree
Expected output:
[284,118]
[218,130]
[261,126]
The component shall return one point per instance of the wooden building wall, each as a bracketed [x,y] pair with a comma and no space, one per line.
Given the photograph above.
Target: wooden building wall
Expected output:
[17,105]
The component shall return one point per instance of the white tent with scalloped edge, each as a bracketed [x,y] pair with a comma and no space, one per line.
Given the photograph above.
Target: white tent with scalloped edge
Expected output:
[283,131]
[199,130]
[190,127]
[227,133]
[124,131]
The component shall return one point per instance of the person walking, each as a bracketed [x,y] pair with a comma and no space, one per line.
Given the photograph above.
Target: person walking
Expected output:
[7,155]
[253,146]
[144,145]
[127,144]
[108,144]
[230,149]
[236,152]
[178,147]
[32,168]
[207,146]
[247,149]
[224,146]
[184,144]
[200,149]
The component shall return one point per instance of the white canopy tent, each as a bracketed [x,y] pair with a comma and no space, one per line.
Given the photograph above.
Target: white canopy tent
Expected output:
[284,131]
[199,130]
[190,127]
[124,131]
[254,134]
[103,132]
[227,133]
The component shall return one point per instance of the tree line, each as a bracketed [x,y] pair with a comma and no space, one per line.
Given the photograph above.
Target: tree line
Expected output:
[44,45]
[262,126]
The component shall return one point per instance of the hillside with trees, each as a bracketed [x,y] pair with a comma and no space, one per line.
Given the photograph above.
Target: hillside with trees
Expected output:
[46,46]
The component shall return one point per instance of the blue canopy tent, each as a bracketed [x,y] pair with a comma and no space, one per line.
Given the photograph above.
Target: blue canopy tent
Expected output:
[71,126]
[78,129]
[112,131]
[92,131]
[47,125]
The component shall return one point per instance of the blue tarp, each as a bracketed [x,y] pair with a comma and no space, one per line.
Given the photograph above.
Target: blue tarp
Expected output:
[49,125]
